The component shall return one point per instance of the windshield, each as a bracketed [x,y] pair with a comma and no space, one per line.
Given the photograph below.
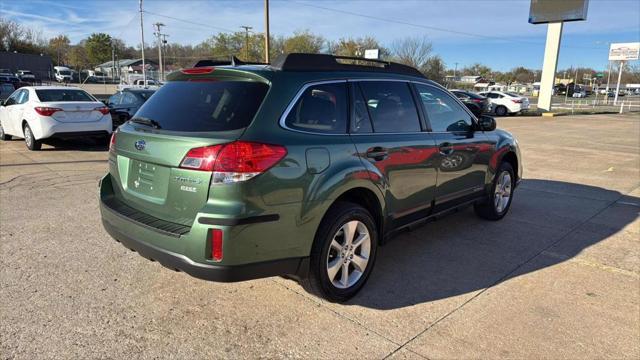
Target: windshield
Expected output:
[54,95]
[204,106]
[65,72]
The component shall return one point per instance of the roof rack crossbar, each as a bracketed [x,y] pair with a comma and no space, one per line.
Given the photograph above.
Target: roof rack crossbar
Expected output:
[325,62]
[233,61]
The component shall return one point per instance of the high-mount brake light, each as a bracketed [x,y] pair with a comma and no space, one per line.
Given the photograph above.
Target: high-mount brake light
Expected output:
[46,111]
[234,162]
[198,70]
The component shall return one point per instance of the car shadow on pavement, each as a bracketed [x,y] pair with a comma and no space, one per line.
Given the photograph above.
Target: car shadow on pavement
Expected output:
[462,254]
[79,144]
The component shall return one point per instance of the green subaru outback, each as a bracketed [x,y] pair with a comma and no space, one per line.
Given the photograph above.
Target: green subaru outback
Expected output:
[301,168]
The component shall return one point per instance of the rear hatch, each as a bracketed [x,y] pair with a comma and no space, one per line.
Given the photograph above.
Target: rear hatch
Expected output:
[76,111]
[182,115]
[71,105]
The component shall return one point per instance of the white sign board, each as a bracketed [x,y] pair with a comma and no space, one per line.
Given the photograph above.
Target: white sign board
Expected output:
[624,51]
[372,54]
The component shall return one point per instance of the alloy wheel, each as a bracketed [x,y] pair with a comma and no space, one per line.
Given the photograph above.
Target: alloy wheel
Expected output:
[348,254]
[502,193]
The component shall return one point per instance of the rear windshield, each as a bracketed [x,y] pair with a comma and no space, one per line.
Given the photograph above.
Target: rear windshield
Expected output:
[65,72]
[204,106]
[54,95]
[512,94]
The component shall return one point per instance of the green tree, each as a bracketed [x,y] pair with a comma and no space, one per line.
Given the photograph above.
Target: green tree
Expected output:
[435,69]
[59,48]
[98,48]
[78,58]
[303,42]
[477,69]
[356,47]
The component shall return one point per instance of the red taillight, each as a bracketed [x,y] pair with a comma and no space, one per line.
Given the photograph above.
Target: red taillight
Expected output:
[46,111]
[478,100]
[202,158]
[517,101]
[248,157]
[198,70]
[215,236]
[104,110]
[112,142]
[233,162]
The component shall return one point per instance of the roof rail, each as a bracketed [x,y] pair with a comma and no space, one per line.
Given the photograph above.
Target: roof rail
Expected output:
[325,62]
[233,61]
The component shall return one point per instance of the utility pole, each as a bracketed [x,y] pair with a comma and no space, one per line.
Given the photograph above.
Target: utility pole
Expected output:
[113,61]
[246,41]
[266,31]
[158,34]
[164,50]
[455,70]
[144,70]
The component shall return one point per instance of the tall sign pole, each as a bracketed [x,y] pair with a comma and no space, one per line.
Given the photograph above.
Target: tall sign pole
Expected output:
[554,13]
[550,65]
[266,31]
[144,68]
[615,99]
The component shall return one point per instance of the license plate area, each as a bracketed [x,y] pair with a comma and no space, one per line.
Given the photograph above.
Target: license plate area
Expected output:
[148,181]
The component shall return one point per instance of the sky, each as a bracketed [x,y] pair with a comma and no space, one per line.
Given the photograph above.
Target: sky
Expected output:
[493,32]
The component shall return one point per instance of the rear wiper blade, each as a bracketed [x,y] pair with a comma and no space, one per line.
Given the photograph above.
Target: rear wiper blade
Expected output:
[146,121]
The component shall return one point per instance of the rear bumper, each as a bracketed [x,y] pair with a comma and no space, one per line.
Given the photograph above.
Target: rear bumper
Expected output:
[219,273]
[184,248]
[46,127]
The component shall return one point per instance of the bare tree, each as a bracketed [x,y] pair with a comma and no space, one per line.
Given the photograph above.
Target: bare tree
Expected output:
[412,51]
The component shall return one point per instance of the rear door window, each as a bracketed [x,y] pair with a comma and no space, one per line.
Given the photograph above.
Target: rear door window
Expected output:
[192,106]
[390,106]
[321,108]
[360,120]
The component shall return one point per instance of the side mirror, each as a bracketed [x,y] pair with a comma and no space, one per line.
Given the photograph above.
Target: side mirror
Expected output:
[486,123]
[475,109]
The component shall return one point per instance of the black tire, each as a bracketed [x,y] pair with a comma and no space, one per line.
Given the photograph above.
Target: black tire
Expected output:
[488,209]
[318,281]
[3,136]
[501,111]
[30,140]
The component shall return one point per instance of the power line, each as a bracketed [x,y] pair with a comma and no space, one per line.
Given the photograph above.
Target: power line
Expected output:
[457,32]
[191,22]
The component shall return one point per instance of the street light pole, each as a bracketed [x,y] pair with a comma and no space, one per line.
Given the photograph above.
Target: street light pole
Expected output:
[266,32]
[246,41]
[158,34]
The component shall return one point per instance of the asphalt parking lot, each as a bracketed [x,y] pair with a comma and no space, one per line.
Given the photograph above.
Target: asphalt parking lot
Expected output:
[558,278]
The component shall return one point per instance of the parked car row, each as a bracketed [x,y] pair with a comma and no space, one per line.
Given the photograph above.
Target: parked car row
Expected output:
[495,102]
[22,75]
[37,113]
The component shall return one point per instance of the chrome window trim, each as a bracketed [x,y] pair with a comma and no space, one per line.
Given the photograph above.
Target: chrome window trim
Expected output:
[304,87]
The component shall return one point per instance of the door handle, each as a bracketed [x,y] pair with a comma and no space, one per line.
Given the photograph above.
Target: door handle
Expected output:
[377,153]
[446,148]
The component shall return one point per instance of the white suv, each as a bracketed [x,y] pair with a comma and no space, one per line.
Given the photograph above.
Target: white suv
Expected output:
[506,103]
[36,113]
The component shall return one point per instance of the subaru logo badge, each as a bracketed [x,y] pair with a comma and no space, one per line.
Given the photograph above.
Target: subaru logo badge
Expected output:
[140,144]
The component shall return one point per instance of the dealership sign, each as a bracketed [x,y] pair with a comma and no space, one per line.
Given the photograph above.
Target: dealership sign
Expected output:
[624,51]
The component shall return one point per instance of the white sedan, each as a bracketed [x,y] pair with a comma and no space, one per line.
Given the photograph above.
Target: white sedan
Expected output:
[505,103]
[41,112]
